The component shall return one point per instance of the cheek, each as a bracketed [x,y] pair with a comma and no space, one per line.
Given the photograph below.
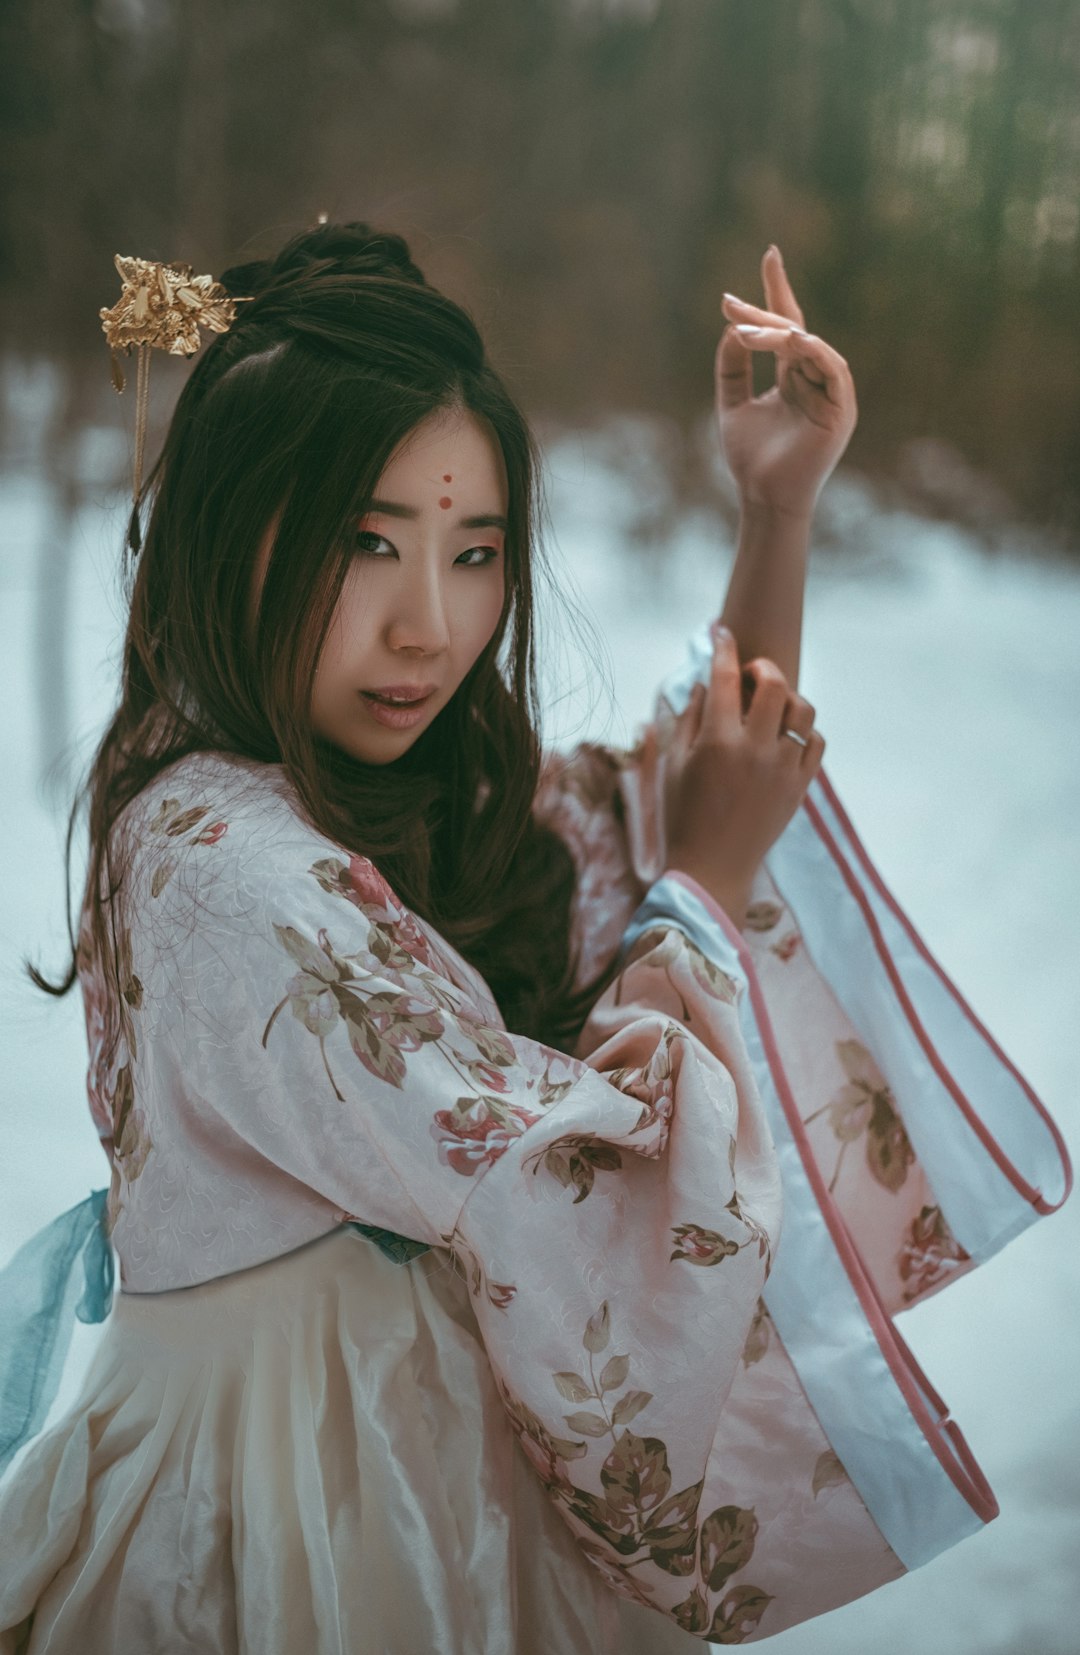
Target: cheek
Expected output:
[491,612]
[342,645]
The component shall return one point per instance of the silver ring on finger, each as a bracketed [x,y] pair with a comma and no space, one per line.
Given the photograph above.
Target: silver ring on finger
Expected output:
[795,737]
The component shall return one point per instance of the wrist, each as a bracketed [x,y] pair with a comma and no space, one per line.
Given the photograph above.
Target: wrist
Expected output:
[730,894]
[792,513]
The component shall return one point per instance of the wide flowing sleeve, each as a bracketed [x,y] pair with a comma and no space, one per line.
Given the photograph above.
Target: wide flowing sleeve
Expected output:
[926,1145]
[910,1148]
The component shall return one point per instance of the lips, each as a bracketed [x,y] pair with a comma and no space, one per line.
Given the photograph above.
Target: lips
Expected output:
[401,693]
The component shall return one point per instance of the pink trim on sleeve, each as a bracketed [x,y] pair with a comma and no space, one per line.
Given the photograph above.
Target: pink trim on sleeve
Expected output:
[986,1138]
[918,1393]
[703,897]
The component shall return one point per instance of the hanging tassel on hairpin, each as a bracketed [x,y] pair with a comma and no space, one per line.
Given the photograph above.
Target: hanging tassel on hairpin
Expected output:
[161,305]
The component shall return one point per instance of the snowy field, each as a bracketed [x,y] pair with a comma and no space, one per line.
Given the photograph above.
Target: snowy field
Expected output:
[947,684]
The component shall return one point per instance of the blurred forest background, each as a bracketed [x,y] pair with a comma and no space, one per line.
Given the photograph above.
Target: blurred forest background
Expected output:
[588,177]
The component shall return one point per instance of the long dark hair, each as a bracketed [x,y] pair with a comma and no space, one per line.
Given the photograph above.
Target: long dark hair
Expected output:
[293,415]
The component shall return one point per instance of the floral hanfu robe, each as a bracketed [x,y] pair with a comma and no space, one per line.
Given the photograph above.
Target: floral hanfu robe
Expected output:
[629,1309]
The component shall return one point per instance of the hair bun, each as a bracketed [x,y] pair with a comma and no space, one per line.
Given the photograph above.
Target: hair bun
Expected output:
[246,279]
[351,249]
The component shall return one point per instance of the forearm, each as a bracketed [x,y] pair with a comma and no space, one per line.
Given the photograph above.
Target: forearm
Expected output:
[764,602]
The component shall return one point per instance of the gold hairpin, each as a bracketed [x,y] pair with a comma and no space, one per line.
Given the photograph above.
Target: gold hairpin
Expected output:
[162,305]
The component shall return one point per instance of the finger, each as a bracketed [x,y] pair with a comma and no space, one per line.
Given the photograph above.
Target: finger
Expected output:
[798,716]
[813,751]
[734,371]
[741,310]
[779,293]
[792,348]
[721,713]
[823,366]
[690,717]
[768,700]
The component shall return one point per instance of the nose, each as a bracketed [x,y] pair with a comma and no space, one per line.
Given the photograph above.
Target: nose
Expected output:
[418,614]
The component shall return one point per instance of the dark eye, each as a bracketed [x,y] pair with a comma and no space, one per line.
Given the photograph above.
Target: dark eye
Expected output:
[490,553]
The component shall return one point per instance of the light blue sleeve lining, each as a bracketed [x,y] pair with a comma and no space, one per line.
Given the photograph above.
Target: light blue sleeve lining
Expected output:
[670,902]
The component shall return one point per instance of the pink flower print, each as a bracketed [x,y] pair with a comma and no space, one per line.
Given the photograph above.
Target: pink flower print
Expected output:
[930,1252]
[549,1465]
[466,1144]
[787,945]
[501,1293]
[492,1079]
[210,835]
[701,1246]
[381,905]
[410,937]
[370,886]
[469,1144]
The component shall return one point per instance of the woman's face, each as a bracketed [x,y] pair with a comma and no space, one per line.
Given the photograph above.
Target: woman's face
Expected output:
[425,590]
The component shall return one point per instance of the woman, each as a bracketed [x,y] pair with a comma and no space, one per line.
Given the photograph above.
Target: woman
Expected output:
[456,1094]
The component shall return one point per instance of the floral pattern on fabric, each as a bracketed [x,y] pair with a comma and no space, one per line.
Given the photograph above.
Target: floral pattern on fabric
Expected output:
[930,1254]
[638,1517]
[844,1100]
[864,1108]
[604,801]
[757,1340]
[110,1021]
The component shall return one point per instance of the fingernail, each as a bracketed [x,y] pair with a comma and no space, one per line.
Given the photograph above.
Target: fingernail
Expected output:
[745,327]
[720,630]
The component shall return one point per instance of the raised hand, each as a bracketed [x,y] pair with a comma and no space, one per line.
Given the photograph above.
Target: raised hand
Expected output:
[781,446]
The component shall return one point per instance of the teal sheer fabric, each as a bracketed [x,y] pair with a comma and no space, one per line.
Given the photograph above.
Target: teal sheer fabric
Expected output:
[397,1247]
[43,1290]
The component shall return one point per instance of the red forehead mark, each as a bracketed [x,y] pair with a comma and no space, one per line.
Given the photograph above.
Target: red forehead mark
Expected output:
[447,477]
[446,502]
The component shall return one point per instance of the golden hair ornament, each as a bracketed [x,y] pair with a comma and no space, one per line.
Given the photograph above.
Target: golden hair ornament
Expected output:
[162,305]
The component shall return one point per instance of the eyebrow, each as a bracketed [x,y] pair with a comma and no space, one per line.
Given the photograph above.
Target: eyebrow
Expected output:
[489,520]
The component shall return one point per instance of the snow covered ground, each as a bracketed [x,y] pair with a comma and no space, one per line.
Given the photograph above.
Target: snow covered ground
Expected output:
[947,683]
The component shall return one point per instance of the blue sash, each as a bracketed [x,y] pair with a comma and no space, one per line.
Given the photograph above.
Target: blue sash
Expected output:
[40,1299]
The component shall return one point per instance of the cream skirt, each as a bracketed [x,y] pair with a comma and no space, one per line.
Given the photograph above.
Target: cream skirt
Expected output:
[307,1456]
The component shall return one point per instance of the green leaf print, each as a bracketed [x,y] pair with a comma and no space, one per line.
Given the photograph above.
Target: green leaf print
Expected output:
[692,1614]
[589,1425]
[170,822]
[635,1474]
[571,1387]
[638,1517]
[614,1373]
[727,1543]
[864,1106]
[762,916]
[575,1160]
[629,1405]
[827,1472]
[757,1340]
[738,1614]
